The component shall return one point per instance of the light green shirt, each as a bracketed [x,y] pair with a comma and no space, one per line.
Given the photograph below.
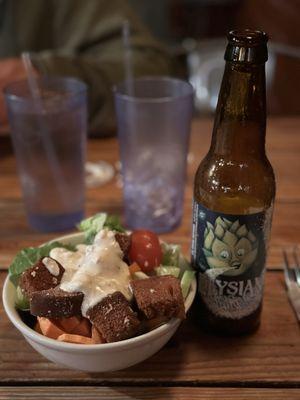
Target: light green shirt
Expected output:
[81,38]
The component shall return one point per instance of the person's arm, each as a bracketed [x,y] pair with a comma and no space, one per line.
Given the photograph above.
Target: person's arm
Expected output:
[88,45]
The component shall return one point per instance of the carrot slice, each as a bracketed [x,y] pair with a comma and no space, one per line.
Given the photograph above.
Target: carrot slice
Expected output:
[49,328]
[68,325]
[83,328]
[134,267]
[96,336]
[37,328]
[66,337]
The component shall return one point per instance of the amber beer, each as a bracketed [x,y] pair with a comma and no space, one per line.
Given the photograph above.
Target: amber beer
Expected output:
[234,193]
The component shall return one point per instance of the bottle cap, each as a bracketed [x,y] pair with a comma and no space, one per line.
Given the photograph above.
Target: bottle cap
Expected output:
[247,46]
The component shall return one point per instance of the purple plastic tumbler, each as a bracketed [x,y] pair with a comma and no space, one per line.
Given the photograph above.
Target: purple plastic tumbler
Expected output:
[49,138]
[154,117]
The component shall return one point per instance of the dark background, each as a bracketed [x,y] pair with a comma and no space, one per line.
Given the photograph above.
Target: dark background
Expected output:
[197,26]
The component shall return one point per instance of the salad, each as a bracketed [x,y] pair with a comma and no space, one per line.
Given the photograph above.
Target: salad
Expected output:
[113,286]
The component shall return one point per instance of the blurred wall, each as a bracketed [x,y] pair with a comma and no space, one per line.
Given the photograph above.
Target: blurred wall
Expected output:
[172,21]
[281,20]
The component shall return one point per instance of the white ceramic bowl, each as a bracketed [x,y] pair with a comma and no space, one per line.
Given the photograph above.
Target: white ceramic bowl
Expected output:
[97,357]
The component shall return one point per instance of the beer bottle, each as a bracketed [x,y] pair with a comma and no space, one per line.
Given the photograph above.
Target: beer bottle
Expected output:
[234,192]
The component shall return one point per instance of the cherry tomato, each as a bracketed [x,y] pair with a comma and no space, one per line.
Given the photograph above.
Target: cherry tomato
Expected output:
[145,250]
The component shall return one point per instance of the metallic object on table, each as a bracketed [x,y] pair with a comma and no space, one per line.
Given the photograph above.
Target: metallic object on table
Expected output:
[292,277]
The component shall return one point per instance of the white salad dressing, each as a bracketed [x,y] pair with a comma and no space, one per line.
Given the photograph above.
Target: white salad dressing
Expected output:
[70,260]
[97,271]
[51,266]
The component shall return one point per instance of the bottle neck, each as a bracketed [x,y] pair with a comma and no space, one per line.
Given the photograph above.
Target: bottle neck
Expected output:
[240,122]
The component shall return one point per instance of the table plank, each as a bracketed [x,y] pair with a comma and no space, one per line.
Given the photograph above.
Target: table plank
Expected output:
[286,225]
[270,356]
[145,393]
[283,144]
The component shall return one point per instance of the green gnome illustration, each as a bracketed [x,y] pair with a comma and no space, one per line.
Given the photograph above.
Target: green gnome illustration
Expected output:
[229,246]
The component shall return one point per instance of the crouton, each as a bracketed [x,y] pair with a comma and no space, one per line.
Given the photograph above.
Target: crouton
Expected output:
[154,323]
[55,303]
[40,277]
[124,241]
[114,318]
[159,296]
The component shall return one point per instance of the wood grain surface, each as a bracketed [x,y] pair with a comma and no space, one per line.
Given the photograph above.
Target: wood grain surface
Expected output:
[271,356]
[267,362]
[283,146]
[165,393]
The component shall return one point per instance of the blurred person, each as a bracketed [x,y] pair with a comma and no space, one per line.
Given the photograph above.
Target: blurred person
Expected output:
[81,39]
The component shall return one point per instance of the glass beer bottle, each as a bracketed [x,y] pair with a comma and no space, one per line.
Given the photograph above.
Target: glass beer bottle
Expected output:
[234,192]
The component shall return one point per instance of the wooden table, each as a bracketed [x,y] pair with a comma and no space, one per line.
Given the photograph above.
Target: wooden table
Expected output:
[265,365]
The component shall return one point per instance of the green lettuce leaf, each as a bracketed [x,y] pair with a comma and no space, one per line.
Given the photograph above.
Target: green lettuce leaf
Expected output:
[173,257]
[92,225]
[167,270]
[186,281]
[29,256]
[22,303]
[113,223]
[171,254]
[176,264]
[184,264]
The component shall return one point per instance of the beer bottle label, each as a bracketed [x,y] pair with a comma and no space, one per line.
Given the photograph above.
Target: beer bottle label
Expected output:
[230,253]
